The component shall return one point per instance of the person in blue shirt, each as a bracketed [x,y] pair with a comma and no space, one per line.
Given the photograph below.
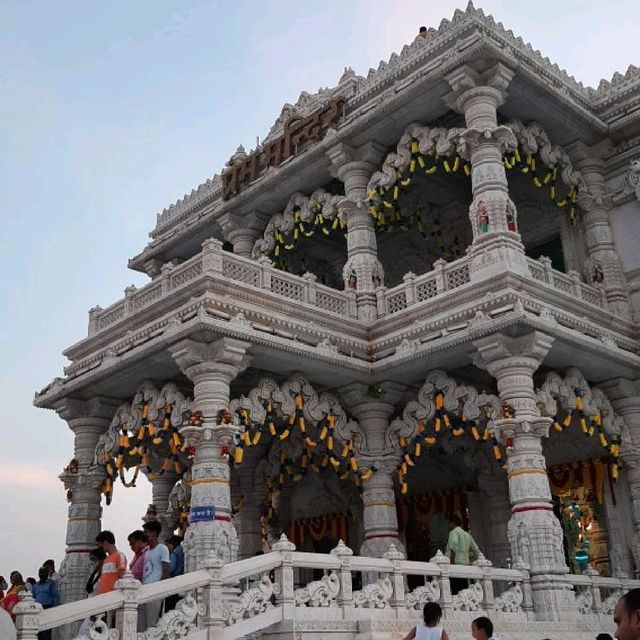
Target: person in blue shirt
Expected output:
[176,567]
[45,592]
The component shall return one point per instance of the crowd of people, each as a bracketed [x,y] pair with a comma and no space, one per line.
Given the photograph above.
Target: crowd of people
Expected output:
[152,561]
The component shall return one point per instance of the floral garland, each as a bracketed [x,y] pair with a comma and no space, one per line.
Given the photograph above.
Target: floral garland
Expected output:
[383,201]
[320,224]
[319,452]
[592,426]
[135,448]
[548,177]
[429,434]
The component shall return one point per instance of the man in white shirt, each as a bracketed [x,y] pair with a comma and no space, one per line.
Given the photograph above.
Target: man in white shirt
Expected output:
[156,568]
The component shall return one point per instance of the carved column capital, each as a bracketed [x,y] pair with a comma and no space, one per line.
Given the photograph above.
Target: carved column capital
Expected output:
[528,350]
[224,354]
[471,89]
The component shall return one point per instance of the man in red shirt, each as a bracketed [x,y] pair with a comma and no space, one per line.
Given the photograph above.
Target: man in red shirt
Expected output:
[114,565]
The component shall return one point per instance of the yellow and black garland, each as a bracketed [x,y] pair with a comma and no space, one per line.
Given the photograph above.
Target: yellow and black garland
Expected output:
[429,434]
[319,452]
[591,426]
[383,202]
[545,178]
[320,224]
[135,448]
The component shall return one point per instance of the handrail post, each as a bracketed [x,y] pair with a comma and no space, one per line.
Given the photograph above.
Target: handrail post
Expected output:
[212,256]
[284,576]
[397,579]
[265,273]
[595,590]
[27,613]
[576,283]
[345,597]
[213,620]
[486,565]
[127,617]
[445,587]
[381,303]
[548,271]
[439,267]
[310,286]
[527,592]
[409,280]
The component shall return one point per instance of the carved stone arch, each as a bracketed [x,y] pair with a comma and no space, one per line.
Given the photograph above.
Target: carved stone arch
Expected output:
[108,441]
[444,142]
[315,407]
[147,392]
[181,405]
[130,414]
[557,393]
[532,138]
[457,397]
[307,207]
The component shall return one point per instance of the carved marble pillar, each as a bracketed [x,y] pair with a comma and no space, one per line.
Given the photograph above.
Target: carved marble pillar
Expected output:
[535,533]
[161,489]
[88,420]
[625,399]
[363,271]
[243,241]
[211,367]
[495,247]
[496,515]
[594,219]
[380,520]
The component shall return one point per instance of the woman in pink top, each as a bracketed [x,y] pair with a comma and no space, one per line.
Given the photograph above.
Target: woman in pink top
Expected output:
[431,629]
[138,543]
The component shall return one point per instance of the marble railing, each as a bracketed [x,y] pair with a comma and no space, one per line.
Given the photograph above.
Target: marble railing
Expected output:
[213,261]
[414,289]
[234,600]
[570,283]
[596,595]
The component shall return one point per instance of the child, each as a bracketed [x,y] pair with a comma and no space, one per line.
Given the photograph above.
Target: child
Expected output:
[431,630]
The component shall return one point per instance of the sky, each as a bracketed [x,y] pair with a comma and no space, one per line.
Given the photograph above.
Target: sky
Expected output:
[110,111]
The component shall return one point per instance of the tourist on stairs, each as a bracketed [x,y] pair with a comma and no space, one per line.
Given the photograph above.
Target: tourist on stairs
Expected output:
[176,567]
[482,629]
[431,630]
[12,596]
[138,544]
[45,592]
[627,616]
[114,565]
[156,568]
[460,546]
[96,558]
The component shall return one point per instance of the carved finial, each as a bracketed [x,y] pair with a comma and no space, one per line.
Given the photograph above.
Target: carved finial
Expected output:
[283,544]
[341,549]
[393,553]
[482,562]
[440,558]
[470,7]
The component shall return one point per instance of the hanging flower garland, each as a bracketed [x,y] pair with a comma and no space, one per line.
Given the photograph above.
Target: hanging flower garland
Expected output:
[591,426]
[321,449]
[546,177]
[443,423]
[318,451]
[383,202]
[135,447]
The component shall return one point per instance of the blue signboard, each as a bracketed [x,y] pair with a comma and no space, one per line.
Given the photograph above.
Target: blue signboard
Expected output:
[201,514]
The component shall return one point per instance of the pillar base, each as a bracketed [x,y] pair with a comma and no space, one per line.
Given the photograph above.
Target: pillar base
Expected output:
[494,254]
[553,598]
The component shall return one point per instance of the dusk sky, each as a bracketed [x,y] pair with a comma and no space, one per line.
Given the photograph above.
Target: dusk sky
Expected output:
[110,111]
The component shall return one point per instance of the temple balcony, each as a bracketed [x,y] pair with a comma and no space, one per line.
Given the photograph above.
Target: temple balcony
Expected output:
[314,327]
[350,597]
